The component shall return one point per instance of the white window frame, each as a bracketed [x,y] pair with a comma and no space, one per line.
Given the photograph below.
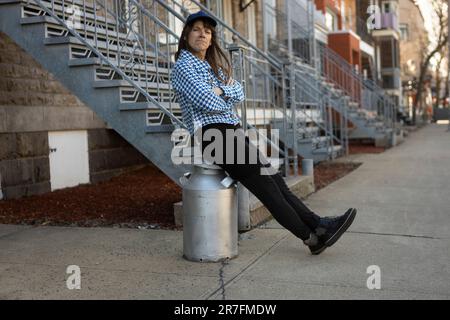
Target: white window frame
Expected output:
[334,19]
[251,23]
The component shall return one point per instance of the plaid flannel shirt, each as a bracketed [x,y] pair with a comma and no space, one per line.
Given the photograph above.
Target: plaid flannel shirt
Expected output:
[193,81]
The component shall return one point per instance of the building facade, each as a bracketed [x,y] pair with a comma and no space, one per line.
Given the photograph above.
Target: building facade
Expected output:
[413,44]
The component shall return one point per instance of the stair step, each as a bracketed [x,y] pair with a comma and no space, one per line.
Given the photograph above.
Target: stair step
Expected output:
[314,140]
[88,6]
[124,83]
[78,50]
[96,44]
[132,95]
[329,150]
[164,128]
[9,1]
[54,29]
[81,51]
[81,62]
[102,73]
[147,106]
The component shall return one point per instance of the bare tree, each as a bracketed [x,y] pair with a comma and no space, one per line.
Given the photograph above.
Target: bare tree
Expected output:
[441,12]
[438,78]
[446,87]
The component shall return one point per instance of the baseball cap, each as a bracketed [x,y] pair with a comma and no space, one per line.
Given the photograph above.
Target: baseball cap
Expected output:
[201,15]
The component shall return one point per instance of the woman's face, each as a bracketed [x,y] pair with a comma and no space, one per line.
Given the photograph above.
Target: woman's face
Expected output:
[199,39]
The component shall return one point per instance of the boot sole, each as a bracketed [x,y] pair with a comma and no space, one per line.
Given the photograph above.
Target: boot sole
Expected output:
[335,237]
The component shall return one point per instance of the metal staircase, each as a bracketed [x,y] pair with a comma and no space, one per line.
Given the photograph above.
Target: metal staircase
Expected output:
[121,74]
[267,103]
[116,57]
[370,113]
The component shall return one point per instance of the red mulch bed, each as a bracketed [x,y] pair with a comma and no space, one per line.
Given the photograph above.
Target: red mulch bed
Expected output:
[142,198]
[328,172]
[364,148]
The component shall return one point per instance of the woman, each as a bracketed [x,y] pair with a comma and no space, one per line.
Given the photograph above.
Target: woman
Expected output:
[206,92]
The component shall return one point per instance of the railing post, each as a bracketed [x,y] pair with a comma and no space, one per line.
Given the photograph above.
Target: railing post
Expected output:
[312,41]
[289,29]
[285,125]
[330,126]
[237,53]
[345,136]
[293,107]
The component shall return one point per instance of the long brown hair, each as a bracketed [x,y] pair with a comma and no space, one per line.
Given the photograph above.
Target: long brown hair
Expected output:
[215,56]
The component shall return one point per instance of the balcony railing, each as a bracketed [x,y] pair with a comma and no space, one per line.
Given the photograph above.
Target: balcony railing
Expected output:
[363,31]
[387,21]
[391,78]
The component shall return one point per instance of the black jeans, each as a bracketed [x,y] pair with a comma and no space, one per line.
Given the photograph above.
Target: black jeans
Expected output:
[271,190]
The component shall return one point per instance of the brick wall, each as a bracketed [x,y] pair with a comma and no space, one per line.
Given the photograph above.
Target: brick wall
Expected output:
[32,103]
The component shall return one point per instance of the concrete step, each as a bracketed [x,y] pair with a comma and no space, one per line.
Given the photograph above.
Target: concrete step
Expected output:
[328,150]
[123,48]
[138,68]
[147,106]
[54,29]
[125,84]
[32,8]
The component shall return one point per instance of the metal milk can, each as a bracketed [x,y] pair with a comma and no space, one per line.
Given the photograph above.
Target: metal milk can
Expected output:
[210,215]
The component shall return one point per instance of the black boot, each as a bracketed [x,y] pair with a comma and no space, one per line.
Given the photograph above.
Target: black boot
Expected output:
[330,229]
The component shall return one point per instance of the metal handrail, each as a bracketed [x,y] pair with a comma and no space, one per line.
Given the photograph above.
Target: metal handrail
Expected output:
[330,56]
[275,62]
[319,93]
[101,56]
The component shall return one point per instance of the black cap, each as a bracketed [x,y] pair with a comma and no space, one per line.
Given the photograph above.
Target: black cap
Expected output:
[201,15]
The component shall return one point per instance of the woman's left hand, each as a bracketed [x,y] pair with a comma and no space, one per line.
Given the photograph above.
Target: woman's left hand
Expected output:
[218,91]
[230,82]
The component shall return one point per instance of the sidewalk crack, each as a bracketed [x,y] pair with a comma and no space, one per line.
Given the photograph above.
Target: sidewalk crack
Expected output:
[221,278]
[224,284]
[396,235]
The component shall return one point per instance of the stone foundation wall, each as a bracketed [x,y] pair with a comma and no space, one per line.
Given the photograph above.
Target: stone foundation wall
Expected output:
[32,103]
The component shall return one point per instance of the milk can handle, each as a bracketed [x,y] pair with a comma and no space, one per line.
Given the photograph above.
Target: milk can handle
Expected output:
[184,179]
[227,182]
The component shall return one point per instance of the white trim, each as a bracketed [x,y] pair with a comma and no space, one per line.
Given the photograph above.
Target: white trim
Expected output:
[320,34]
[385,33]
[367,48]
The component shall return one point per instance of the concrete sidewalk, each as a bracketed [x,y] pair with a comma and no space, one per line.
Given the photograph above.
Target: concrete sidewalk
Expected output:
[402,226]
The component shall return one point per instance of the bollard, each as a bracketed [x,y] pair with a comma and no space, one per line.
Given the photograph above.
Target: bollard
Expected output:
[244,223]
[210,215]
[308,167]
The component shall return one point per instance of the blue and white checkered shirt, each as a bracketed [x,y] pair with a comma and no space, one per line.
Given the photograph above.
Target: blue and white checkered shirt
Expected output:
[193,81]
